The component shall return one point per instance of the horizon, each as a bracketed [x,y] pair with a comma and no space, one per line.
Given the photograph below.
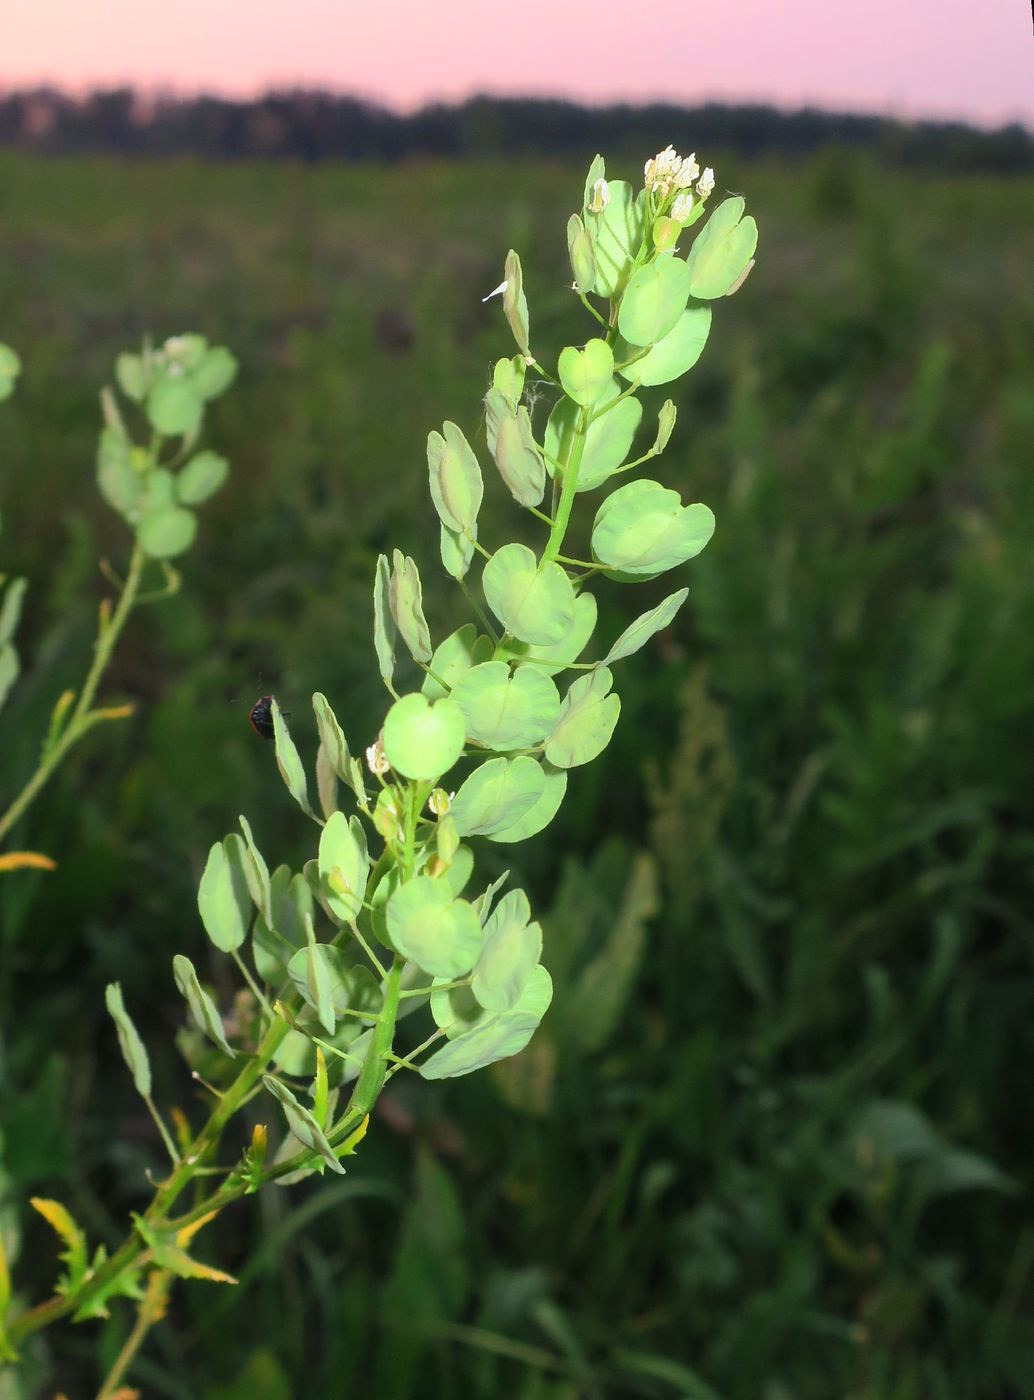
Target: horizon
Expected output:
[907,62]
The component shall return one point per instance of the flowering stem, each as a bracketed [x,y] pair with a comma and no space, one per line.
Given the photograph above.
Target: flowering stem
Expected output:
[83,718]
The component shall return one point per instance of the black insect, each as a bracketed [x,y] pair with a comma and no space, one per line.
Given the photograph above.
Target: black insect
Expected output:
[261,717]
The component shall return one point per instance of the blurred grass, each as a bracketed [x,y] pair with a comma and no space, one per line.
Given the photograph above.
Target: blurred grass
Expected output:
[773,1142]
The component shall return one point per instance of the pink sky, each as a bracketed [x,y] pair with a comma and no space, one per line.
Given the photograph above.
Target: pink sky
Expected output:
[944,58]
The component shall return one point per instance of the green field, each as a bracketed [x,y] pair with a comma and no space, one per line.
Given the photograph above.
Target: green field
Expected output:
[791,1157]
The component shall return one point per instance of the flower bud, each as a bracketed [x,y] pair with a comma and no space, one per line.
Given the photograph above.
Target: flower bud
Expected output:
[438,802]
[683,206]
[600,197]
[376,758]
[706,183]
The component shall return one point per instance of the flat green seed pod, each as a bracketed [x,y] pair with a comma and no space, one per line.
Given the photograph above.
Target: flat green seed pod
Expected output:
[533,601]
[201,478]
[721,251]
[460,651]
[455,478]
[443,935]
[174,406]
[423,739]
[608,439]
[586,374]
[497,795]
[643,529]
[654,300]
[587,719]
[675,354]
[167,532]
[505,710]
[344,865]
[538,817]
[494,1036]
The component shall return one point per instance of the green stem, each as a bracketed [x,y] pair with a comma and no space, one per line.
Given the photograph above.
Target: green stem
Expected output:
[82,720]
[567,493]
[151,1309]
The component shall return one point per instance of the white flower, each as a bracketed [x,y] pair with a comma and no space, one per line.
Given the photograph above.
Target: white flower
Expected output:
[440,801]
[706,183]
[669,171]
[376,758]
[600,197]
[687,172]
[496,292]
[683,206]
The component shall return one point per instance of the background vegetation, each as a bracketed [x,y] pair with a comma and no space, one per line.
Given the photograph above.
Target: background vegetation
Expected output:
[793,1160]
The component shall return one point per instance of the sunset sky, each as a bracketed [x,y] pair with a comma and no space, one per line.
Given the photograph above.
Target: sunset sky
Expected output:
[942,58]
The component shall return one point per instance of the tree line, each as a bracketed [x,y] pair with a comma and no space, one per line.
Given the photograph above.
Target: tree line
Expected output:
[314,125]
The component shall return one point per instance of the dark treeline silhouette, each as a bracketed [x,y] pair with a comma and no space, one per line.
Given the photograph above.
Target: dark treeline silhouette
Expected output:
[311,126]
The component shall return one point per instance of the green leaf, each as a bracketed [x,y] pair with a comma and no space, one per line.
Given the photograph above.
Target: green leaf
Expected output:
[535,601]
[518,458]
[344,865]
[9,670]
[601,992]
[132,1047]
[617,234]
[256,872]
[423,738]
[167,532]
[202,1007]
[75,1256]
[562,653]
[507,711]
[303,1124]
[222,899]
[586,374]
[643,529]
[721,251]
[515,303]
[607,441]
[289,763]
[201,478]
[646,626]
[215,373]
[332,737]
[512,950]
[675,354]
[654,300]
[494,1036]
[460,651]
[384,630]
[119,482]
[587,719]
[11,611]
[405,598]
[538,817]
[426,924]
[175,406]
[10,369]
[455,478]
[497,795]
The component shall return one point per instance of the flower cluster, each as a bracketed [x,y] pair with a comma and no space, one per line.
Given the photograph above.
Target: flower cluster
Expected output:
[668,172]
